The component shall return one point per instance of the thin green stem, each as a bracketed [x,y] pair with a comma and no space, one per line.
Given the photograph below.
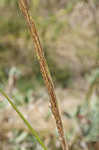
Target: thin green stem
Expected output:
[34,133]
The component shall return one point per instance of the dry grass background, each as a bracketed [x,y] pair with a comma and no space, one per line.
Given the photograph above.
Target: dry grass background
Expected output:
[73,46]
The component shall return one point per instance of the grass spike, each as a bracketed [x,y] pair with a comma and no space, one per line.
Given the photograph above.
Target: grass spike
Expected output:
[45,72]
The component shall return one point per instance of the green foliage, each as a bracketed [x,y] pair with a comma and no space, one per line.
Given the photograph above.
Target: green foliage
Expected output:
[33,132]
[2,77]
[8,2]
[90,110]
[62,76]
[8,27]
[21,140]
[94,79]
[93,133]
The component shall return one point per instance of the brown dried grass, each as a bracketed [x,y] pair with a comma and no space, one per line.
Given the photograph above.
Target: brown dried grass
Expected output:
[45,72]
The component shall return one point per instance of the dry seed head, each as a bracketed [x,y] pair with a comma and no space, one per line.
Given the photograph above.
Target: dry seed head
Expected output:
[45,72]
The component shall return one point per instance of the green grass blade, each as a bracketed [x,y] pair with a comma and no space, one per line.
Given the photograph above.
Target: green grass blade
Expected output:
[34,133]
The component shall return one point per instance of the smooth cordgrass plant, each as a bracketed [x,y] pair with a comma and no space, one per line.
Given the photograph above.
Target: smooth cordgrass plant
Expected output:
[45,71]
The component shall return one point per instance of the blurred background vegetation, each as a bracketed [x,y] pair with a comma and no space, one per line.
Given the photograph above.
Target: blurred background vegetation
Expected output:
[69,33]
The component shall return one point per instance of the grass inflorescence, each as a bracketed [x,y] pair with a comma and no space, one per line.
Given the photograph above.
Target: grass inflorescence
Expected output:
[45,71]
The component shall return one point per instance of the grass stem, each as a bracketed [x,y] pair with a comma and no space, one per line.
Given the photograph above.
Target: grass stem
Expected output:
[45,72]
[33,132]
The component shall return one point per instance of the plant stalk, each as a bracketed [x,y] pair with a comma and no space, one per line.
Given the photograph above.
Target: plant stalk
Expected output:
[45,72]
[33,132]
